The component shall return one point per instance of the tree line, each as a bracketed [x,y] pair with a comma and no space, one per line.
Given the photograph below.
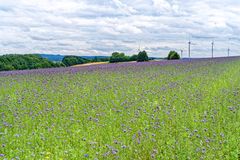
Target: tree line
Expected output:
[141,57]
[121,57]
[75,60]
[28,61]
[116,57]
[34,61]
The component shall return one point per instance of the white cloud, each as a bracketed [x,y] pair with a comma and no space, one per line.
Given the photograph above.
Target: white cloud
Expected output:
[100,27]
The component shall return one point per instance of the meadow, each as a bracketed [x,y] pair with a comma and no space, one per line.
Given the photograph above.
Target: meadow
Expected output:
[186,109]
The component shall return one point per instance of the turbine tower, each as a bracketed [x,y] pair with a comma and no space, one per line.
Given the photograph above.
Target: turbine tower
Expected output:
[139,47]
[228,47]
[212,48]
[189,49]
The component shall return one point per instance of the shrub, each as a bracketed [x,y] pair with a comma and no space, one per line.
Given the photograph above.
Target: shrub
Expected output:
[173,55]
[142,56]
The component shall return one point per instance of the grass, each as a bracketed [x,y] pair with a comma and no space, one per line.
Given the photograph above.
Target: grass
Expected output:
[178,111]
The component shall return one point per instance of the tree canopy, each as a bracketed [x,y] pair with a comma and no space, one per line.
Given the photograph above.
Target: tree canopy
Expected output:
[173,55]
[133,57]
[27,61]
[142,56]
[118,57]
[121,57]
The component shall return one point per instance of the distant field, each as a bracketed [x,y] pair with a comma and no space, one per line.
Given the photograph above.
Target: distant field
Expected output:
[186,109]
[90,64]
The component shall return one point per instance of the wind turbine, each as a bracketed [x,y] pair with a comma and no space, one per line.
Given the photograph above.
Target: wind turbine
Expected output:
[228,50]
[189,47]
[181,53]
[232,41]
[139,47]
[212,48]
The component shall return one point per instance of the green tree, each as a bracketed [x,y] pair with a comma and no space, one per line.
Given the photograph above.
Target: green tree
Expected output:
[28,61]
[142,56]
[133,57]
[173,55]
[118,57]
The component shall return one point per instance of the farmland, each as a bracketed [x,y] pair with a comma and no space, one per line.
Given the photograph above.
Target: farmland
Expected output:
[150,110]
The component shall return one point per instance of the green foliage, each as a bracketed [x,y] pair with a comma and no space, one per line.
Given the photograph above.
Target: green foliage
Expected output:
[142,56]
[133,57]
[74,60]
[173,55]
[118,57]
[28,61]
[121,57]
[97,59]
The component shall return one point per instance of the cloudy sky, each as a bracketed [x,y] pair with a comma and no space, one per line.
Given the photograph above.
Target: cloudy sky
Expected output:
[99,27]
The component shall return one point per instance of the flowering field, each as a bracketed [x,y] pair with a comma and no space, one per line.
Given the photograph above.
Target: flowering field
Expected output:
[151,110]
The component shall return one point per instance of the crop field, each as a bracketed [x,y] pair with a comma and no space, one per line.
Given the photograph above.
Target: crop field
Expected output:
[186,109]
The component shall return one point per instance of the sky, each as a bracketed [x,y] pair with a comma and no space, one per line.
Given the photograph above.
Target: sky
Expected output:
[100,27]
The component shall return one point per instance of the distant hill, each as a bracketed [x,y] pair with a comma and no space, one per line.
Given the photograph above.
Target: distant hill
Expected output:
[52,57]
[58,58]
[93,57]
